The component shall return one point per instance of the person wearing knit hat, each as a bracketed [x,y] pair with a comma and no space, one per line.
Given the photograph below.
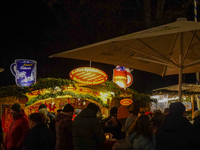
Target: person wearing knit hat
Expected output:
[16,107]
[93,107]
[63,128]
[20,127]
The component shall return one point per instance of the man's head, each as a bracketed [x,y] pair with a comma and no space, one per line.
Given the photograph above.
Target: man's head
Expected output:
[59,110]
[42,106]
[68,109]
[93,107]
[36,118]
[177,108]
[15,109]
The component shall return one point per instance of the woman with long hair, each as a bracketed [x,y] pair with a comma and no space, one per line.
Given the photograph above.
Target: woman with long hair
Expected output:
[141,136]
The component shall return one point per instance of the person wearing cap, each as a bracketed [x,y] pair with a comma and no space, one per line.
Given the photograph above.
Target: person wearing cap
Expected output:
[176,132]
[87,132]
[63,128]
[17,129]
[44,108]
[39,137]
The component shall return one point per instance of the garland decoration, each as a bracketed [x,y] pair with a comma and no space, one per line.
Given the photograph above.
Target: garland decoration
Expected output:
[50,83]
[63,93]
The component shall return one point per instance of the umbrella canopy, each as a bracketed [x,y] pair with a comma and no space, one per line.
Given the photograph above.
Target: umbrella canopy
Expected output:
[169,49]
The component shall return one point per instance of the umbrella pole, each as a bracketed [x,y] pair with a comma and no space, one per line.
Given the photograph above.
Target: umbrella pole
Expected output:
[180,85]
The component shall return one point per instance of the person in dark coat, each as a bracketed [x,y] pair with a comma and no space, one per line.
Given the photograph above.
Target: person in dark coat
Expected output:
[17,130]
[176,132]
[52,124]
[87,132]
[64,128]
[39,137]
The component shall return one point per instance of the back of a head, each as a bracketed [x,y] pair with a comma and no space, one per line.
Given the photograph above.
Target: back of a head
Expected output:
[68,108]
[42,106]
[158,118]
[176,108]
[122,112]
[113,110]
[16,107]
[141,125]
[166,111]
[37,117]
[93,107]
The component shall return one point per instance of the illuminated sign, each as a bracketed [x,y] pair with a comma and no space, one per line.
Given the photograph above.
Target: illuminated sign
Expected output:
[24,72]
[122,76]
[88,75]
[126,101]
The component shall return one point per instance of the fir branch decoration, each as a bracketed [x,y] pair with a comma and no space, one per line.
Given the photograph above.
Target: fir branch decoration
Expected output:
[63,93]
[45,83]
[15,91]
[111,86]
[140,97]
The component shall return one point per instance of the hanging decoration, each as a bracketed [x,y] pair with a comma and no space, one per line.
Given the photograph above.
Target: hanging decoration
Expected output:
[122,76]
[24,72]
[88,75]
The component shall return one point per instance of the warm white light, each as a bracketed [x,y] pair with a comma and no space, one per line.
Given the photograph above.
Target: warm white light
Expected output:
[120,84]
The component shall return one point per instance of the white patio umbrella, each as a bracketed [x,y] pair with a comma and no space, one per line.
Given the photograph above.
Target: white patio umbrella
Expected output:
[169,49]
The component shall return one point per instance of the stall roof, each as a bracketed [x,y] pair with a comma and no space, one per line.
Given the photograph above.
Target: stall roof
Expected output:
[188,87]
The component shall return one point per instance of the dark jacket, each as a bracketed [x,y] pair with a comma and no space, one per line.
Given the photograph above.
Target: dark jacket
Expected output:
[87,132]
[17,131]
[176,133]
[40,138]
[63,132]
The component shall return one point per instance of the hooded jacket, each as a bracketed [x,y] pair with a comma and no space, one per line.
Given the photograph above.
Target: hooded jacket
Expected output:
[17,130]
[176,133]
[63,132]
[87,132]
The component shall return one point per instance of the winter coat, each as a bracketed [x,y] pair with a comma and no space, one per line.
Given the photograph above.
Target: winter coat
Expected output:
[63,132]
[129,121]
[17,130]
[40,138]
[124,144]
[176,133]
[87,132]
[142,142]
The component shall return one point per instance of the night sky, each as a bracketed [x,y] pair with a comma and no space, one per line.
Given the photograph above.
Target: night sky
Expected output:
[25,28]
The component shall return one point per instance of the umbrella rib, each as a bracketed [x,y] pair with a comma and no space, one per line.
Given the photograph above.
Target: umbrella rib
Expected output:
[155,50]
[137,51]
[188,47]
[170,52]
[154,61]
[193,63]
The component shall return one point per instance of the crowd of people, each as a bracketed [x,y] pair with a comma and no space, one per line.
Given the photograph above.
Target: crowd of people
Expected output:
[168,130]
